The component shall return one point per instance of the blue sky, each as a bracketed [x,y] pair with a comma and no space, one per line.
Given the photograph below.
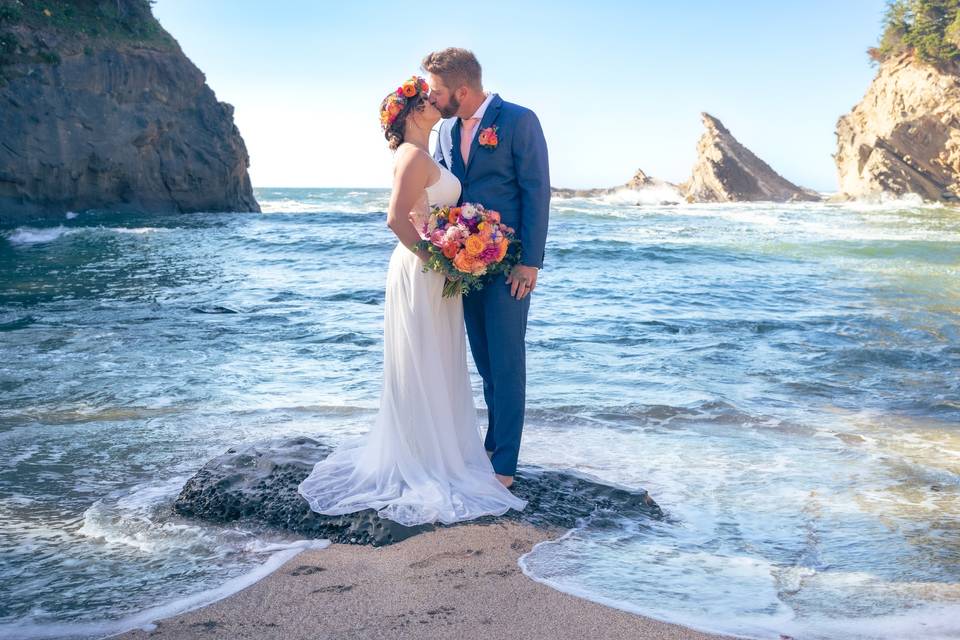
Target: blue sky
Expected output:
[617,85]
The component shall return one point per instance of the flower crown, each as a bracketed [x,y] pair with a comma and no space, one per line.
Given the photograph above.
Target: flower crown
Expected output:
[396,101]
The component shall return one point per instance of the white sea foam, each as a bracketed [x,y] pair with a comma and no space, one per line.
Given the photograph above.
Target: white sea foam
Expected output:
[134,230]
[146,619]
[926,622]
[137,519]
[358,204]
[654,195]
[891,202]
[32,235]
[759,574]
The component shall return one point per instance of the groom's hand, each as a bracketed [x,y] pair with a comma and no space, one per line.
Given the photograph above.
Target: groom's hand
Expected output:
[522,280]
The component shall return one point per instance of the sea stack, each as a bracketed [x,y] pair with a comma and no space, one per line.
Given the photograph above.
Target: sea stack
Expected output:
[638,182]
[904,135]
[726,171]
[102,110]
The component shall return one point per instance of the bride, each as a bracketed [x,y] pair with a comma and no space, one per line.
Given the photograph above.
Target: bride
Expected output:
[423,459]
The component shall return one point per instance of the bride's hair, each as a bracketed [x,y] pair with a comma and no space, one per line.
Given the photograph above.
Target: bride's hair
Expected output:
[395,132]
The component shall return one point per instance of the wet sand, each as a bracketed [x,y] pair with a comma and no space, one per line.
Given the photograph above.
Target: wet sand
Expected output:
[454,582]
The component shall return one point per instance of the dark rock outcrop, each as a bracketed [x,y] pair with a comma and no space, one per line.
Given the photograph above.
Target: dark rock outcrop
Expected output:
[100,109]
[260,482]
[904,135]
[726,171]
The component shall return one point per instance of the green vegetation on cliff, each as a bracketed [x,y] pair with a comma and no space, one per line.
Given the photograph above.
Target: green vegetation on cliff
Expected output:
[42,31]
[117,20]
[930,29]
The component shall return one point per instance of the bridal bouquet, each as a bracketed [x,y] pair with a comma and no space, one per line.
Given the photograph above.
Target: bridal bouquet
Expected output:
[465,244]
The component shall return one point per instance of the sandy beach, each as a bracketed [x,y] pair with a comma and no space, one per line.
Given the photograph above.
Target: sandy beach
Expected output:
[454,582]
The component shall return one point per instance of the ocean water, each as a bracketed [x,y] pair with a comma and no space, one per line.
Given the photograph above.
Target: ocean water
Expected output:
[783,379]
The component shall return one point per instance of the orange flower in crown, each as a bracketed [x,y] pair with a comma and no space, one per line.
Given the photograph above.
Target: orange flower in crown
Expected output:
[394,103]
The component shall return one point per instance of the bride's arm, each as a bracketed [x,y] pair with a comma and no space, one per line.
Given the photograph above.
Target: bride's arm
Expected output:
[409,180]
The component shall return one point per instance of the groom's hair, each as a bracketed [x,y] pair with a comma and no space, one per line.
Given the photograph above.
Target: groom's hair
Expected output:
[456,67]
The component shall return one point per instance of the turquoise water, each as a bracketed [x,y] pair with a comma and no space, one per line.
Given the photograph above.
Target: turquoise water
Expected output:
[783,379]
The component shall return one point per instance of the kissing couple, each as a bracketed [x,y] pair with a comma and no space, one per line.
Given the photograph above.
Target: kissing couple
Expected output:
[423,459]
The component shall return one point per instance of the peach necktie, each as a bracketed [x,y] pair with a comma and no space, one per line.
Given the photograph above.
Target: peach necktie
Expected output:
[466,137]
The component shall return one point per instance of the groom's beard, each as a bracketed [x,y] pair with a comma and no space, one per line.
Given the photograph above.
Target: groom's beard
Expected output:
[451,109]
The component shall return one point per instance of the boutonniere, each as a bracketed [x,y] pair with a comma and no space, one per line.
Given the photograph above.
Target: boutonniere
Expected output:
[488,137]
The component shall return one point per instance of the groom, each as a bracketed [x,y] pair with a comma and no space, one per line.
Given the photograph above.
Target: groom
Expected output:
[498,152]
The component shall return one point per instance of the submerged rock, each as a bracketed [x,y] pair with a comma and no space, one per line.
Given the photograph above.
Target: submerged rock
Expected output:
[904,135]
[259,482]
[102,110]
[726,171]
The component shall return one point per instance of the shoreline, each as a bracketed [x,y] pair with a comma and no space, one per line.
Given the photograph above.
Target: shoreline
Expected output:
[462,581]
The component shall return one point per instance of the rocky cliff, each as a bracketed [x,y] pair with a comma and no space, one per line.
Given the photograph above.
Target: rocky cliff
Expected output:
[904,135]
[100,109]
[726,171]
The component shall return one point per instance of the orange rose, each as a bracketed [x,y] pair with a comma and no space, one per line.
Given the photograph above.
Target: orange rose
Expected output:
[409,89]
[450,250]
[492,139]
[394,108]
[504,243]
[493,216]
[484,138]
[463,262]
[475,245]
[453,215]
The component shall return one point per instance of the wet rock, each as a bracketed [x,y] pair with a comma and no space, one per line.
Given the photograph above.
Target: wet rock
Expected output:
[259,482]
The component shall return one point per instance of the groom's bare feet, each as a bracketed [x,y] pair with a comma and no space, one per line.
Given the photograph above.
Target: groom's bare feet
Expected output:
[504,480]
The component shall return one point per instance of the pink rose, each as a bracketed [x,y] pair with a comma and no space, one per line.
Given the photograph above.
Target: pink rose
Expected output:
[490,253]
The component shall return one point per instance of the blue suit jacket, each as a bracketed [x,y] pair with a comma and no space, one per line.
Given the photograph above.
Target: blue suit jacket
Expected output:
[512,178]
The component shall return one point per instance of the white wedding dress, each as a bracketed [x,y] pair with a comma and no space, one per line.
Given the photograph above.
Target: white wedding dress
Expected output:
[423,459]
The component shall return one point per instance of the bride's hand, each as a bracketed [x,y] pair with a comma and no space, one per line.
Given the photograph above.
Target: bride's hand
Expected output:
[423,254]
